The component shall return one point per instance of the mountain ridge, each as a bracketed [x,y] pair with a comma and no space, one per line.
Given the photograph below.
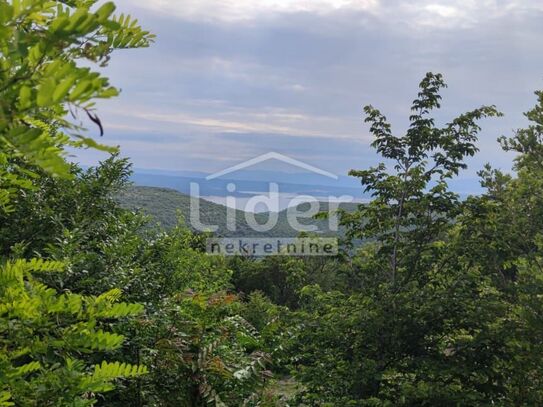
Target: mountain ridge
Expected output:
[167,207]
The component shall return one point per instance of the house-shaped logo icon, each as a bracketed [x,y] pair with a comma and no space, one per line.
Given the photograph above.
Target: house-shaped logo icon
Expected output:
[271,156]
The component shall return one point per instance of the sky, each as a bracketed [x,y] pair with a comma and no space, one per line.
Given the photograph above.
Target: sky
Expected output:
[227,80]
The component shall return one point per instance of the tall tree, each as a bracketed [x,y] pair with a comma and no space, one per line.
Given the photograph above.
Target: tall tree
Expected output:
[418,329]
[412,205]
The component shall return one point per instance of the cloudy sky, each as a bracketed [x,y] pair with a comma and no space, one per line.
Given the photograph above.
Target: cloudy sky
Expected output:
[227,80]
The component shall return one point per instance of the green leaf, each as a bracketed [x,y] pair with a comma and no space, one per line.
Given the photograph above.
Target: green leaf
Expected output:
[45,92]
[80,88]
[25,95]
[105,11]
[63,88]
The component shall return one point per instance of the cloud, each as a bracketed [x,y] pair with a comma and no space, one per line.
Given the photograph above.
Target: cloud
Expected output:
[413,13]
[244,10]
[228,80]
[250,122]
[459,14]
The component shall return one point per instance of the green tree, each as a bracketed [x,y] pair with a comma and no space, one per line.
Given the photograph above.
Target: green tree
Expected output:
[422,328]
[411,205]
[50,339]
[191,335]
[45,50]
[500,234]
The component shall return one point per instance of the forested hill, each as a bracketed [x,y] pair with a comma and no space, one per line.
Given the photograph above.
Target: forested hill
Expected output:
[167,206]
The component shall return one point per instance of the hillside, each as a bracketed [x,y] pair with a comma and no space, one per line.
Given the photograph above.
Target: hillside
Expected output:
[166,206]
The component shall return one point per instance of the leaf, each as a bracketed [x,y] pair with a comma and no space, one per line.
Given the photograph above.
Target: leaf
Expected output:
[25,95]
[82,87]
[45,92]
[105,11]
[63,88]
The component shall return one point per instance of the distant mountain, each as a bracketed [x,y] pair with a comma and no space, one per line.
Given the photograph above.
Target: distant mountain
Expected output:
[247,184]
[166,206]
[251,182]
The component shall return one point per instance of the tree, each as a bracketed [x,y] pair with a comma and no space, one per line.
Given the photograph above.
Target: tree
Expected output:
[500,233]
[412,205]
[46,334]
[42,78]
[421,328]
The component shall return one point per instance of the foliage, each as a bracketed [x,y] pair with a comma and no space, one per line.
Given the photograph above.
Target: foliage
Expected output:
[165,207]
[440,315]
[440,305]
[412,205]
[189,314]
[202,352]
[278,277]
[49,341]
[42,77]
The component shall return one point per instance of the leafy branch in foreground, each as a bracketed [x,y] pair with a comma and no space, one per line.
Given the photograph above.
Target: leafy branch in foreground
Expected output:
[42,45]
[48,340]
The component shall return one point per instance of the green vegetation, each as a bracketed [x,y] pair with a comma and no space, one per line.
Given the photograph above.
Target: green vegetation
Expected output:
[166,207]
[441,306]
